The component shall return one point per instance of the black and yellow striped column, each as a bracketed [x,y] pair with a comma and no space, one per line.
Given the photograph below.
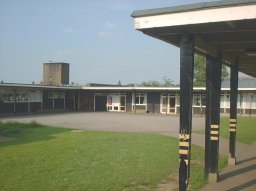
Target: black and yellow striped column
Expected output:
[214,147]
[232,141]
[233,112]
[184,146]
[213,92]
[184,159]
[214,132]
[232,125]
[186,95]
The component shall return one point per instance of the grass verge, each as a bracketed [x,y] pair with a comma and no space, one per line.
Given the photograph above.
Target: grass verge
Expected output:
[46,158]
[246,129]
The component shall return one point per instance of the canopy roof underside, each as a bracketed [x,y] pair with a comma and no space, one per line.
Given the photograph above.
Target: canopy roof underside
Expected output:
[226,27]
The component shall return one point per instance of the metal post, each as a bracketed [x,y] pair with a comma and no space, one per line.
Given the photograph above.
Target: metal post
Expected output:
[15,101]
[186,90]
[166,103]
[74,101]
[201,104]
[53,104]
[64,101]
[233,113]
[209,62]
[78,101]
[135,101]
[28,101]
[214,90]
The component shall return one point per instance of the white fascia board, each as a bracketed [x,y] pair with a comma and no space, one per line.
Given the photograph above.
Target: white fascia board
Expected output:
[197,17]
[240,89]
[132,88]
[38,86]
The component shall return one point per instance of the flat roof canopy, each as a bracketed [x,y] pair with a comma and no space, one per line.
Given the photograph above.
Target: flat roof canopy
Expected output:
[226,26]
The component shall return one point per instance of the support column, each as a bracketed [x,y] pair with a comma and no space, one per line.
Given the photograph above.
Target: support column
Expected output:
[74,102]
[233,113]
[28,92]
[135,101]
[78,101]
[166,103]
[64,101]
[213,92]
[186,95]
[15,101]
[209,63]
[53,104]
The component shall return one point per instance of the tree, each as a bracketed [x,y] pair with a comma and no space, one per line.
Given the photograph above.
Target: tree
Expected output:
[119,83]
[131,85]
[200,71]
[168,82]
[225,72]
[150,84]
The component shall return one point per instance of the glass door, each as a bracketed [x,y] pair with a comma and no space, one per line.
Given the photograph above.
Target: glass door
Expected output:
[122,102]
[164,104]
[172,103]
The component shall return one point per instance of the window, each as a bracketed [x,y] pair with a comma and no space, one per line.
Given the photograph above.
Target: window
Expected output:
[177,100]
[71,95]
[59,95]
[203,100]
[164,100]
[140,99]
[18,97]
[56,95]
[21,97]
[196,100]
[253,101]
[24,97]
[50,95]
[222,100]
[227,101]
[8,97]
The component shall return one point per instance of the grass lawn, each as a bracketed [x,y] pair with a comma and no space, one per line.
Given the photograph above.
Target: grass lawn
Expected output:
[46,158]
[246,129]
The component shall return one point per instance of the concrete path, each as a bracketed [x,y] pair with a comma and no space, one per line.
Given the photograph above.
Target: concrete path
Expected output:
[240,177]
[233,178]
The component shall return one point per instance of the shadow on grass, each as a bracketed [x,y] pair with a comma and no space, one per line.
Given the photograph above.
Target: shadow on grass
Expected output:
[27,132]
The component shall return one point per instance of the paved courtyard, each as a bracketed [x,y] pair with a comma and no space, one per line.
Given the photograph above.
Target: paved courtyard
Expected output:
[107,121]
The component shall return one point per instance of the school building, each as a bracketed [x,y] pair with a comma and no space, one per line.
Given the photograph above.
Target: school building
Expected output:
[36,98]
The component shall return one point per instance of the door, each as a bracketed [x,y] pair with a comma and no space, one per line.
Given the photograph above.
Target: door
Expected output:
[100,102]
[172,103]
[164,104]
[122,102]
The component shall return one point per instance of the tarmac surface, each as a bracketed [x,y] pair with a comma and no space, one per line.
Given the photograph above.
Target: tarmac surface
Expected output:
[233,178]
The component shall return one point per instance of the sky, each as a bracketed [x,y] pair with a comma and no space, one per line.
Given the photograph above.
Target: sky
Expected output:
[97,38]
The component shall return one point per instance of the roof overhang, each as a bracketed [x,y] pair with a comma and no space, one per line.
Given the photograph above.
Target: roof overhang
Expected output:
[227,27]
[38,86]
